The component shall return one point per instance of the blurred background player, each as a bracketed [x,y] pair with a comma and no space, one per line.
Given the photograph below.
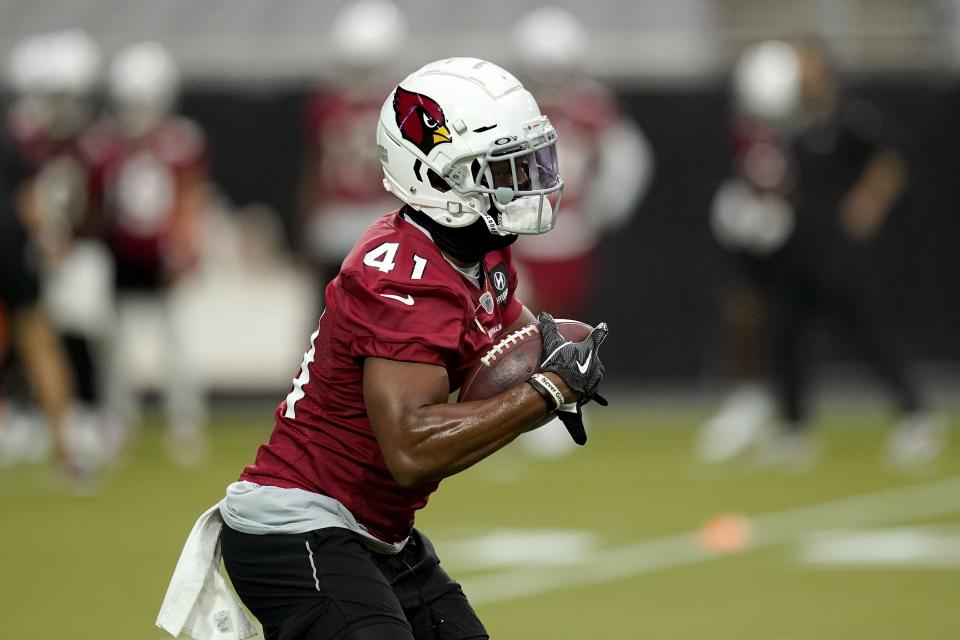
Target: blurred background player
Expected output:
[25,327]
[751,218]
[341,190]
[608,163]
[823,172]
[153,176]
[54,76]
[607,168]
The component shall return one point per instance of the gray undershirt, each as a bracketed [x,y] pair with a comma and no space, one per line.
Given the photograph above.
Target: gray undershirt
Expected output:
[263,510]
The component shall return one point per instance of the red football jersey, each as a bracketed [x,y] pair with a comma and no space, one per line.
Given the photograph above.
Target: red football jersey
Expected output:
[339,133]
[147,185]
[344,179]
[62,170]
[398,298]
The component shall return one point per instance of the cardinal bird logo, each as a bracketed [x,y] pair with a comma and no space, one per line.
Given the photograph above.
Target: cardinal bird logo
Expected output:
[420,119]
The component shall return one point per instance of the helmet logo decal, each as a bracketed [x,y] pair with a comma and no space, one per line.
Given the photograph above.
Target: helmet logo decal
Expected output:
[420,120]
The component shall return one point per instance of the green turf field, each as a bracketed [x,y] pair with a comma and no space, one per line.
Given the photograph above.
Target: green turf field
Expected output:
[600,544]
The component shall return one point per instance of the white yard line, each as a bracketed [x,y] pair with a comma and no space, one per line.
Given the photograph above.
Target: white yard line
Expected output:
[885,507]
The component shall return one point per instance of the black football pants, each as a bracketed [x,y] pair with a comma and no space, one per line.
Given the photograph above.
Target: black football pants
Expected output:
[851,299]
[328,585]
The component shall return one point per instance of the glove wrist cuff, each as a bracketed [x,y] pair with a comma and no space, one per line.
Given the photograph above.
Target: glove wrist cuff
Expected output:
[548,391]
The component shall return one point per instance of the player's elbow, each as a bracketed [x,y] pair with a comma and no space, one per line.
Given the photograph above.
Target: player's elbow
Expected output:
[410,475]
[409,480]
[408,469]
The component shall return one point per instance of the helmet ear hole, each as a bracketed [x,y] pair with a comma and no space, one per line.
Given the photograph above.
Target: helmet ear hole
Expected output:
[437,182]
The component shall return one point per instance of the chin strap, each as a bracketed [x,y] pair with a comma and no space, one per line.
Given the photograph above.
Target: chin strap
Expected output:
[492,226]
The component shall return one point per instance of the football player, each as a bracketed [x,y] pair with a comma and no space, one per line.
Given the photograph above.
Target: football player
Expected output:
[340,186]
[54,76]
[27,328]
[607,161]
[751,218]
[152,174]
[607,168]
[319,539]
[820,172]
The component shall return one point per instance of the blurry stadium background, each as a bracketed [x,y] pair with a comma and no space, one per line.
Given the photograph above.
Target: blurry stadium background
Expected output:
[632,536]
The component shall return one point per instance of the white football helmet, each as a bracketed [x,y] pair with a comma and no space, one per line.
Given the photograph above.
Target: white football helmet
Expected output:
[57,72]
[56,62]
[367,34]
[72,62]
[767,81]
[549,42]
[461,139]
[143,84]
[25,66]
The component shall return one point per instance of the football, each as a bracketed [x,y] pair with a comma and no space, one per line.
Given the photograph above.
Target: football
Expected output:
[513,359]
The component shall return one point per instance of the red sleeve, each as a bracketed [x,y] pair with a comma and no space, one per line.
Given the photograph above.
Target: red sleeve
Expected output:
[401,320]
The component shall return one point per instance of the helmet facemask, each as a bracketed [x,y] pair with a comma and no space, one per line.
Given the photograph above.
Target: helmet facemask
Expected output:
[516,176]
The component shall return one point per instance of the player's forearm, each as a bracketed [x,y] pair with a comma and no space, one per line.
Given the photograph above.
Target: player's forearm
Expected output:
[885,176]
[870,199]
[444,439]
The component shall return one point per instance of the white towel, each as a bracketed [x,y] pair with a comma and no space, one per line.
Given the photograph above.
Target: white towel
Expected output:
[199,604]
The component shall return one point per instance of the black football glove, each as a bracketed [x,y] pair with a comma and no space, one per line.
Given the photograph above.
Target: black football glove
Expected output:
[577,364]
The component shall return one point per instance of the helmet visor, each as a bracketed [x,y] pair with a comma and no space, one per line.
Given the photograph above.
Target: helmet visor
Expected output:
[524,172]
[520,176]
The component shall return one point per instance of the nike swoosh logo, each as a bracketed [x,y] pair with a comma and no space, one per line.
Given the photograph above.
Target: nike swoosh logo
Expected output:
[586,363]
[408,300]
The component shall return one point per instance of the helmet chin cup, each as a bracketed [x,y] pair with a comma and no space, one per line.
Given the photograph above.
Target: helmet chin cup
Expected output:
[528,215]
[504,196]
